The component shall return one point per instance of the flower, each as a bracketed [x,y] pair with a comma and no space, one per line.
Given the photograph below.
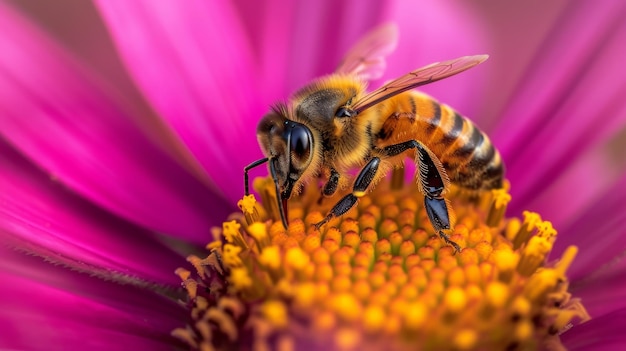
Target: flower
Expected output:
[119,189]
[376,279]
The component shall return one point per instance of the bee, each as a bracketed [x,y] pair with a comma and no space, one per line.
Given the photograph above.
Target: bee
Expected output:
[333,125]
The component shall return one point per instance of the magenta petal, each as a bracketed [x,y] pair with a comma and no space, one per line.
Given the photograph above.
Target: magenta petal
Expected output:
[295,42]
[570,100]
[600,168]
[602,291]
[45,307]
[194,65]
[435,31]
[605,333]
[291,43]
[598,231]
[269,27]
[294,38]
[61,118]
[39,215]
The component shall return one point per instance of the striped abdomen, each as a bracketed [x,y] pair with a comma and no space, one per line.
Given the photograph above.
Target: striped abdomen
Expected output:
[466,153]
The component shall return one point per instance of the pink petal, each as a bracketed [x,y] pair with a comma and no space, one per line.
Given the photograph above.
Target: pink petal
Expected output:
[602,291]
[268,26]
[41,216]
[598,232]
[291,43]
[514,32]
[87,37]
[275,28]
[571,99]
[69,124]
[45,307]
[600,168]
[194,64]
[435,31]
[295,42]
[605,333]
[292,39]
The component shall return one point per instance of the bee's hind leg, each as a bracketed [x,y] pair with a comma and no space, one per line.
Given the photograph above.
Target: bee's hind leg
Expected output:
[434,182]
[362,182]
[437,210]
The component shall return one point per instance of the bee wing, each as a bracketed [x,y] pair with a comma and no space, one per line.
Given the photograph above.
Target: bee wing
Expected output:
[421,76]
[366,58]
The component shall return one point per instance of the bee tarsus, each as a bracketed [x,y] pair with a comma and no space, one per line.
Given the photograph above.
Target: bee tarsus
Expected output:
[448,241]
[362,182]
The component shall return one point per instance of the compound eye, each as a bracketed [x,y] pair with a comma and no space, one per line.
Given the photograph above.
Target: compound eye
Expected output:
[300,144]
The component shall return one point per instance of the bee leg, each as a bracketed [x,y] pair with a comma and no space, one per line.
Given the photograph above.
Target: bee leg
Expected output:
[331,185]
[333,182]
[433,185]
[437,210]
[362,182]
[433,181]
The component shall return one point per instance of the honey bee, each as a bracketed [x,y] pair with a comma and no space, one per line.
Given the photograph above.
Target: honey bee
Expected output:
[332,126]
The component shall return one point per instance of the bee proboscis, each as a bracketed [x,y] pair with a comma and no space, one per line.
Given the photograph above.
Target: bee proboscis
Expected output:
[333,125]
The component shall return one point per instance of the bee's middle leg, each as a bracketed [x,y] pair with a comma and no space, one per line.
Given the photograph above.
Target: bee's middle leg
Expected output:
[433,181]
[362,182]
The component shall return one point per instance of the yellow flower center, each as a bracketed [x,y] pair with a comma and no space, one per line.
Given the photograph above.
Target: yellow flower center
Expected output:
[379,278]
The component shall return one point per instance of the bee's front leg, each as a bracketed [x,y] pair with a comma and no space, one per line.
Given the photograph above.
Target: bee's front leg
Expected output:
[330,188]
[333,182]
[362,182]
[434,183]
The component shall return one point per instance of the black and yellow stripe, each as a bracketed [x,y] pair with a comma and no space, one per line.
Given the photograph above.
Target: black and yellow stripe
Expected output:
[466,153]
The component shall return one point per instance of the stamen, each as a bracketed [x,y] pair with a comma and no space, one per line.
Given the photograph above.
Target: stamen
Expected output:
[249,209]
[379,277]
[500,200]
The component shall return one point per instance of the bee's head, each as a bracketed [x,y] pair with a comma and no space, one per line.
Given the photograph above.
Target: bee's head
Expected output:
[289,148]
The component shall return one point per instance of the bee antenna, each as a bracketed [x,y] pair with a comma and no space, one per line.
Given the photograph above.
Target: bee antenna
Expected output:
[281,204]
[256,163]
